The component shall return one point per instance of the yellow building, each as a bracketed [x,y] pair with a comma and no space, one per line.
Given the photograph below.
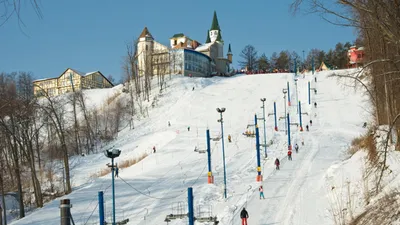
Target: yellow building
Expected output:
[69,81]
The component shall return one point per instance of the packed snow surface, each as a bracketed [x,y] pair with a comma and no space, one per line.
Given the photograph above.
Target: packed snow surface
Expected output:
[157,186]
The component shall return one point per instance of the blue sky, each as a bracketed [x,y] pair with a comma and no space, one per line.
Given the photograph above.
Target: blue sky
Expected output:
[90,35]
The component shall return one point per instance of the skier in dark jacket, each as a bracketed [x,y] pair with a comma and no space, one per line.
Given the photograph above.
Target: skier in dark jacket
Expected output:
[310,122]
[277,163]
[296,147]
[244,215]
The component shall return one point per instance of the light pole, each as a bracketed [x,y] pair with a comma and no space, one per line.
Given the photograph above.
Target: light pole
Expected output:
[220,111]
[304,60]
[284,97]
[113,154]
[265,133]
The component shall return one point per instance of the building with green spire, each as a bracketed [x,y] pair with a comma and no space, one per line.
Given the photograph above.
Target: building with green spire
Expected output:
[185,55]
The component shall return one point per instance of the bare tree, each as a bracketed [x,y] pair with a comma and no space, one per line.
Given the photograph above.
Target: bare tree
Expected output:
[132,80]
[77,142]
[250,58]
[10,8]
[52,109]
[88,128]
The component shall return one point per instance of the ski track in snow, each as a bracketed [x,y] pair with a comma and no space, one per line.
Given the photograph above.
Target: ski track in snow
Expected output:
[293,194]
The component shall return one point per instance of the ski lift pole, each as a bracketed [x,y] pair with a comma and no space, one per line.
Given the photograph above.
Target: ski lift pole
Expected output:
[259,176]
[101,207]
[288,93]
[309,93]
[190,206]
[288,128]
[276,123]
[210,176]
[265,132]
[301,124]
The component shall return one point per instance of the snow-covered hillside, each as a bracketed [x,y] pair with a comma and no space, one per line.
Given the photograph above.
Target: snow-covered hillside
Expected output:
[156,186]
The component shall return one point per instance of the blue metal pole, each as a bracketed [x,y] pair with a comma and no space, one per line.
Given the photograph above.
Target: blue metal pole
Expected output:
[209,155]
[265,133]
[301,123]
[223,154]
[297,94]
[276,122]
[309,94]
[288,93]
[288,128]
[190,206]
[101,207]
[258,154]
[113,189]
[295,67]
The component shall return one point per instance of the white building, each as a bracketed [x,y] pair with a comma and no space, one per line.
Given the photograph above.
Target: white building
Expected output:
[184,56]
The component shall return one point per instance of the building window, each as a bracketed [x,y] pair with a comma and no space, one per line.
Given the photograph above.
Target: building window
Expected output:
[175,42]
[147,47]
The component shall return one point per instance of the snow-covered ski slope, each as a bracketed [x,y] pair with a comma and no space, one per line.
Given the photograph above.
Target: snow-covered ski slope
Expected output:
[155,187]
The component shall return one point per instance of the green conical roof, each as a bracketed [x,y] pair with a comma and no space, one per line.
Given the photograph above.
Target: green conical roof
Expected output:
[208,37]
[215,25]
[229,49]
[219,37]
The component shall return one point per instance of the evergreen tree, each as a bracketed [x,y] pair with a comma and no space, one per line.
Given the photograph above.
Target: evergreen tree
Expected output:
[263,63]
[274,60]
[249,56]
[330,58]
[340,58]
[283,60]
[320,58]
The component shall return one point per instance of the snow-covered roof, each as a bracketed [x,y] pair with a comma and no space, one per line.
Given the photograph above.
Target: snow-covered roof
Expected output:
[43,79]
[74,70]
[203,47]
[87,74]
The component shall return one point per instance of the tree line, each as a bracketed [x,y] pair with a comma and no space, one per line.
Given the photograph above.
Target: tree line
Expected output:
[285,59]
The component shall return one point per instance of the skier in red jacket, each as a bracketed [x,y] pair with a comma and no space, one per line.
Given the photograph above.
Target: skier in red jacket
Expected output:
[289,154]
